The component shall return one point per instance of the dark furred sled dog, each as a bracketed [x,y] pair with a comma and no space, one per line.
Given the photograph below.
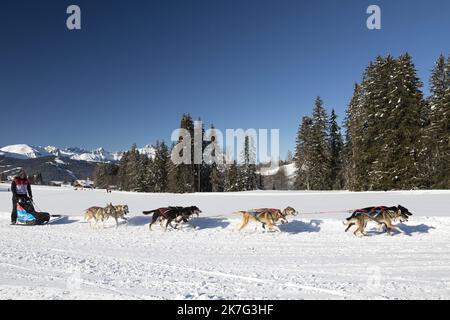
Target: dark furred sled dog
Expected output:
[383,216]
[178,215]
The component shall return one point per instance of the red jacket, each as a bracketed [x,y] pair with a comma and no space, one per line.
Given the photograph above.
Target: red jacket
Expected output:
[20,188]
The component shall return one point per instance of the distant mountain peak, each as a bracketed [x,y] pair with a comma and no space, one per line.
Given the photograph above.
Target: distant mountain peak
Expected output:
[24,151]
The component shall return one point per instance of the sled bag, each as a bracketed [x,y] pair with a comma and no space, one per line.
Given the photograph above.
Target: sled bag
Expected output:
[31,218]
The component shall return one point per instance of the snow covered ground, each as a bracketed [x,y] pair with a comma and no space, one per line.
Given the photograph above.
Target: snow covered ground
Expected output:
[311,258]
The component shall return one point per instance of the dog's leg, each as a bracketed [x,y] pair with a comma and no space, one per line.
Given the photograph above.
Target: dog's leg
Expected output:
[154,218]
[174,227]
[359,229]
[244,223]
[349,226]
[399,230]
[392,227]
[167,224]
[388,229]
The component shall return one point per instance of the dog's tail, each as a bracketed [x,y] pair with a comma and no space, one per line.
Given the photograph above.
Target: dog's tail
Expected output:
[351,217]
[239,212]
[150,212]
[347,221]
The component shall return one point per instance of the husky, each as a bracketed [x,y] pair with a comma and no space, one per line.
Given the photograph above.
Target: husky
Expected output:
[168,215]
[383,216]
[98,213]
[267,217]
[120,211]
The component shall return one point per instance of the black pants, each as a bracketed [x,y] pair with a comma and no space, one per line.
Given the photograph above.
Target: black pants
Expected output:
[14,208]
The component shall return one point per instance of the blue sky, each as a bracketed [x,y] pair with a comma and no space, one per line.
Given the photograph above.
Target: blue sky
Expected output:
[136,66]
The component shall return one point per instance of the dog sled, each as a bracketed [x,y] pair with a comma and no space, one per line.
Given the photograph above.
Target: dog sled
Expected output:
[28,216]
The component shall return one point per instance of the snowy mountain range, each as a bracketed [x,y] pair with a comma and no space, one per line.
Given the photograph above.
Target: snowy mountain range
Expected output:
[55,164]
[24,152]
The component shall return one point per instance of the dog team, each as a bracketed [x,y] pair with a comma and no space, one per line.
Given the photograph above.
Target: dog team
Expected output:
[268,218]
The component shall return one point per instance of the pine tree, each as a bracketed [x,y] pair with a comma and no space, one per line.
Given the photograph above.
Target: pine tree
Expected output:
[384,127]
[134,170]
[280,180]
[215,178]
[319,171]
[214,174]
[122,174]
[105,175]
[289,157]
[403,127]
[248,176]
[160,167]
[143,176]
[355,173]
[303,160]
[203,170]
[379,97]
[335,145]
[182,176]
[232,182]
[437,132]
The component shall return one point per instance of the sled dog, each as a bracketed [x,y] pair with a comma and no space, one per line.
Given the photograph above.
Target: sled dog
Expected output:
[98,213]
[383,216]
[168,215]
[267,217]
[120,211]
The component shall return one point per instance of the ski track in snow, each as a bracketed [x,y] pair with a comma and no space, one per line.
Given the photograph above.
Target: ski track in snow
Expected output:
[311,258]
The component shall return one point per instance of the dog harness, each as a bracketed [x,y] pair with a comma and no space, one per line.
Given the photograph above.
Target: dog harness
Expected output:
[372,212]
[264,210]
[163,211]
[256,212]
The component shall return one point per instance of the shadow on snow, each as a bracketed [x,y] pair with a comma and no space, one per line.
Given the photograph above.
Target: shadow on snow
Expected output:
[297,226]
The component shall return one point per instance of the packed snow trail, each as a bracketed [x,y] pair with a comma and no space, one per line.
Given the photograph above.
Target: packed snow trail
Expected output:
[311,258]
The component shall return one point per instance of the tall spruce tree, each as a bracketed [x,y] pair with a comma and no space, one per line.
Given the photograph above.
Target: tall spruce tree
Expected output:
[182,176]
[106,175]
[437,132]
[303,160]
[384,127]
[142,176]
[232,179]
[403,127]
[215,175]
[354,164]
[378,87]
[335,145]
[248,176]
[319,171]
[160,167]
[215,178]
[280,179]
